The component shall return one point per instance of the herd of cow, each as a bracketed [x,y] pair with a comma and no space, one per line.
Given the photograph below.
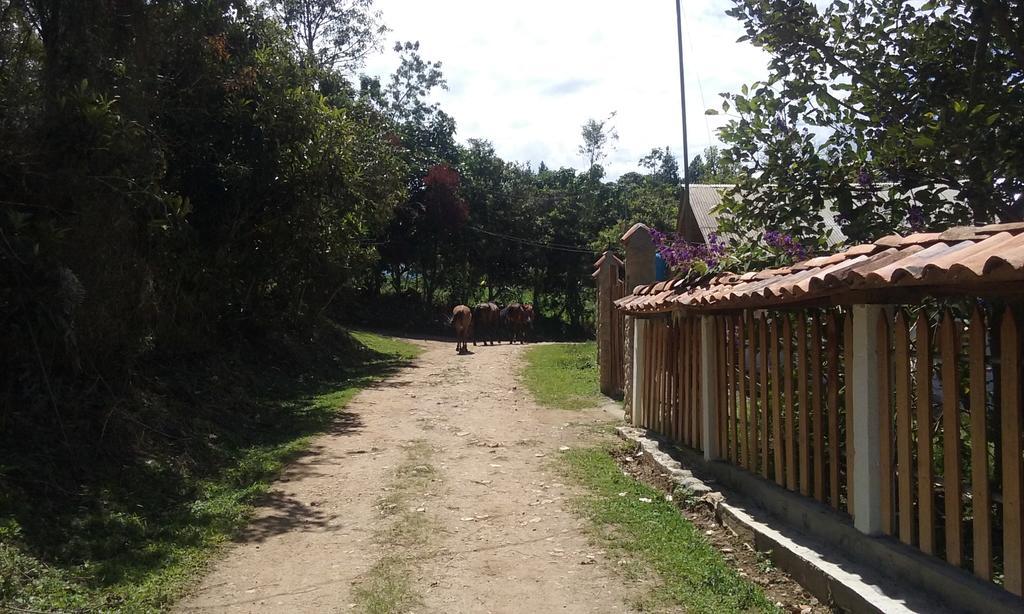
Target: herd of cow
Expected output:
[490,324]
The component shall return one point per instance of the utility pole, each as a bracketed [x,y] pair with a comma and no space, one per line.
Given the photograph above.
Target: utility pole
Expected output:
[682,97]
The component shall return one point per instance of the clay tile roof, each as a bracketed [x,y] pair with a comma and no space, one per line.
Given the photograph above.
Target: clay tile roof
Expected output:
[958,260]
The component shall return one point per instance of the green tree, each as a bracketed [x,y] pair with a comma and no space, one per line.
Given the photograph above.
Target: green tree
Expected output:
[712,167]
[879,106]
[598,137]
[334,34]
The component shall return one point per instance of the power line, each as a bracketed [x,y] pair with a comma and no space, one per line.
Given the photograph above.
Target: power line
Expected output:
[535,243]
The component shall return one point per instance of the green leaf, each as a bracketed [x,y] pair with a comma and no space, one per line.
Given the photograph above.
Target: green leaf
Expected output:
[711,112]
[923,141]
[991,119]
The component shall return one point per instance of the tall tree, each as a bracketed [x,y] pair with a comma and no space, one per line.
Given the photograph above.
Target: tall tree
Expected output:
[712,167]
[334,34]
[662,165]
[598,137]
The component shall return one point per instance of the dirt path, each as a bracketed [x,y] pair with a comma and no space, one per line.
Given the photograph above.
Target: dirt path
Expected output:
[436,495]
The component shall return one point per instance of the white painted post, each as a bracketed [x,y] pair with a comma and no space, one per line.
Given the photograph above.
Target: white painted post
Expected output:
[866,412]
[639,327]
[709,388]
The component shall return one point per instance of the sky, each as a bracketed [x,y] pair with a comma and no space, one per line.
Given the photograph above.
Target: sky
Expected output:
[526,75]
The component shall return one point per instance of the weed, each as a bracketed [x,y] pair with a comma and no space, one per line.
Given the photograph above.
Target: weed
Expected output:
[563,375]
[635,523]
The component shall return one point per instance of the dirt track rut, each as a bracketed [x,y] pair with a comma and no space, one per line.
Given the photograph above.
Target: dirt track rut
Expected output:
[499,533]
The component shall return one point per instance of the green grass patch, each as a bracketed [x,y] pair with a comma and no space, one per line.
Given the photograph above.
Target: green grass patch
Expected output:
[142,527]
[405,535]
[563,375]
[654,536]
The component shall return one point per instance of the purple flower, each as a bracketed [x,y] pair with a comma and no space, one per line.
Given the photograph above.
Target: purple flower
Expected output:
[915,217]
[786,244]
[682,256]
[864,177]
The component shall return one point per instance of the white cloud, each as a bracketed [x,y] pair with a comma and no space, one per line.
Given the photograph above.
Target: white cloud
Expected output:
[526,75]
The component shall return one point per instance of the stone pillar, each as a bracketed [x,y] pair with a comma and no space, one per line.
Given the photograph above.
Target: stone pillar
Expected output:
[866,411]
[709,388]
[639,257]
[639,328]
[607,275]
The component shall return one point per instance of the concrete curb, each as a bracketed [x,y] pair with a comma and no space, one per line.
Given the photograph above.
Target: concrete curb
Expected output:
[831,578]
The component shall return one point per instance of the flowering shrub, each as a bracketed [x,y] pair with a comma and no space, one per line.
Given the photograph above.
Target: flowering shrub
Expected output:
[697,259]
[684,257]
[785,245]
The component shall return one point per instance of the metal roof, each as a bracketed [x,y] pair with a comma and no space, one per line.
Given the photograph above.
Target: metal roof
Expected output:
[961,260]
[705,197]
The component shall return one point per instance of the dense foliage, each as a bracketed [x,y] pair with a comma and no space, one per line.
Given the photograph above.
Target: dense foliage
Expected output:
[191,194]
[878,106]
[181,178]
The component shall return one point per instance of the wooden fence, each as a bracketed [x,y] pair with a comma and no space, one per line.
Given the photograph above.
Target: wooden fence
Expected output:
[950,437]
[669,388]
[950,425]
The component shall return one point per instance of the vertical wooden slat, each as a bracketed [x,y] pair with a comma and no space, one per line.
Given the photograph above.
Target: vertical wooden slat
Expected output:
[651,370]
[645,376]
[762,326]
[925,479]
[741,397]
[679,359]
[803,436]
[736,349]
[730,387]
[884,367]
[656,383]
[752,392]
[833,409]
[949,345]
[691,393]
[665,389]
[776,402]
[722,393]
[980,498]
[695,398]
[851,451]
[1013,472]
[817,423]
[789,434]
[672,370]
[666,379]
[904,462]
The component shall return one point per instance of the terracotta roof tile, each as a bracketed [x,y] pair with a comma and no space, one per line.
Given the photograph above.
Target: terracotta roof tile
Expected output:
[983,255]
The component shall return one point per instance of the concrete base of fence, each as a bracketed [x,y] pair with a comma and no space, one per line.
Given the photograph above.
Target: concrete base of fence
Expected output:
[803,537]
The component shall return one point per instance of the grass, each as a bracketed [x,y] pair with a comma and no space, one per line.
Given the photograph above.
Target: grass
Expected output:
[406,533]
[656,541]
[139,531]
[563,375]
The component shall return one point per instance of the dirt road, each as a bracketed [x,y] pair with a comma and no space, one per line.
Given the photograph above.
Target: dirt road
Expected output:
[435,493]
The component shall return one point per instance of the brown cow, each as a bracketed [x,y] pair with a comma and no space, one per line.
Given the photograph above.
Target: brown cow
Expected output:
[514,318]
[485,323]
[528,308]
[462,321]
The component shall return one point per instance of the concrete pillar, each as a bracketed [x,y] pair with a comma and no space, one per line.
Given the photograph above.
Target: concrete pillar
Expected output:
[709,388]
[866,411]
[639,346]
[627,393]
[639,257]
